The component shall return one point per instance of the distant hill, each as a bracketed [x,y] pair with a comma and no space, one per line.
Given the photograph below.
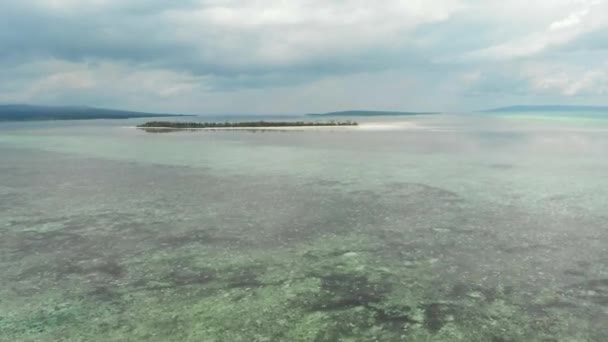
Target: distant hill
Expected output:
[548,108]
[371,113]
[32,113]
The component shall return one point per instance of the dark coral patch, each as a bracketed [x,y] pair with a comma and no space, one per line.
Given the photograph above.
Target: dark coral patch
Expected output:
[342,291]
[437,315]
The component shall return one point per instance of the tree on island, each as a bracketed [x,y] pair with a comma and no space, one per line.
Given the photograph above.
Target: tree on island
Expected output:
[251,124]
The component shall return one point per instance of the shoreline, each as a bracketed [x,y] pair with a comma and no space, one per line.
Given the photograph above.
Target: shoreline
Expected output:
[269,128]
[368,126]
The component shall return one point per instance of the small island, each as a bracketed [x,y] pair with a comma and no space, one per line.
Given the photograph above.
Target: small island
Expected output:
[245,125]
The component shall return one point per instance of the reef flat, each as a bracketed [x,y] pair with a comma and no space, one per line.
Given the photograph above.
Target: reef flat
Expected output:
[132,266]
[108,234]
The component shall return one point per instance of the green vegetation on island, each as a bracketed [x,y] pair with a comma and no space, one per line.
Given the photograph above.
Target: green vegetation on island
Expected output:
[251,124]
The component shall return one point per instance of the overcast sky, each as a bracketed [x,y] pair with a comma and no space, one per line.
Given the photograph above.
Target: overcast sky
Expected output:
[299,56]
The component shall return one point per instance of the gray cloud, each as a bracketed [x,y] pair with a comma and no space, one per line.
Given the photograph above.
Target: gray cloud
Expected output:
[31,32]
[231,53]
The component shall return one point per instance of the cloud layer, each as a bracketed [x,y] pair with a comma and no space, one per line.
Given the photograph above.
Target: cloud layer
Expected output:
[273,56]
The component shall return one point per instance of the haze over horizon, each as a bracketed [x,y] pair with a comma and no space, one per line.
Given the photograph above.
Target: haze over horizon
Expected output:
[276,57]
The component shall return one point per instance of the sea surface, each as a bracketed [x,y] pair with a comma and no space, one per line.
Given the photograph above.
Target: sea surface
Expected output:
[455,227]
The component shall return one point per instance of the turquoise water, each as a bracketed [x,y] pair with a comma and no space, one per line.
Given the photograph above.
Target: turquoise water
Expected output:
[449,228]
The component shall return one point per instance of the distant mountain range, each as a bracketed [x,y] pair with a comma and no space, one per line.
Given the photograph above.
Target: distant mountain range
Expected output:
[32,113]
[548,108]
[371,113]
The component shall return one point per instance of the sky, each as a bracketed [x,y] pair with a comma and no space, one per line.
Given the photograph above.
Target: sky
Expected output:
[303,56]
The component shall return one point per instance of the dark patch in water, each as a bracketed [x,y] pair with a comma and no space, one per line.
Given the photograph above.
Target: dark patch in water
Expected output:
[196,237]
[416,189]
[201,278]
[460,290]
[327,183]
[181,277]
[106,268]
[526,248]
[41,242]
[557,198]
[504,339]
[574,272]
[500,166]
[105,293]
[345,291]
[206,279]
[61,268]
[394,317]
[244,278]
[584,264]
[30,223]
[437,315]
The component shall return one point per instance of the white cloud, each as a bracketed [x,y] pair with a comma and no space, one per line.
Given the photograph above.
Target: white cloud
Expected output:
[581,17]
[284,32]
[573,19]
[237,55]
[568,80]
[50,81]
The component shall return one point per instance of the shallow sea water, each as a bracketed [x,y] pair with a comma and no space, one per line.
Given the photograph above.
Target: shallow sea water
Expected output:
[451,228]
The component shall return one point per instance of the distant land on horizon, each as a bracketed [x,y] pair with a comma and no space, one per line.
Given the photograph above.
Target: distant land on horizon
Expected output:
[548,108]
[22,112]
[40,113]
[372,113]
